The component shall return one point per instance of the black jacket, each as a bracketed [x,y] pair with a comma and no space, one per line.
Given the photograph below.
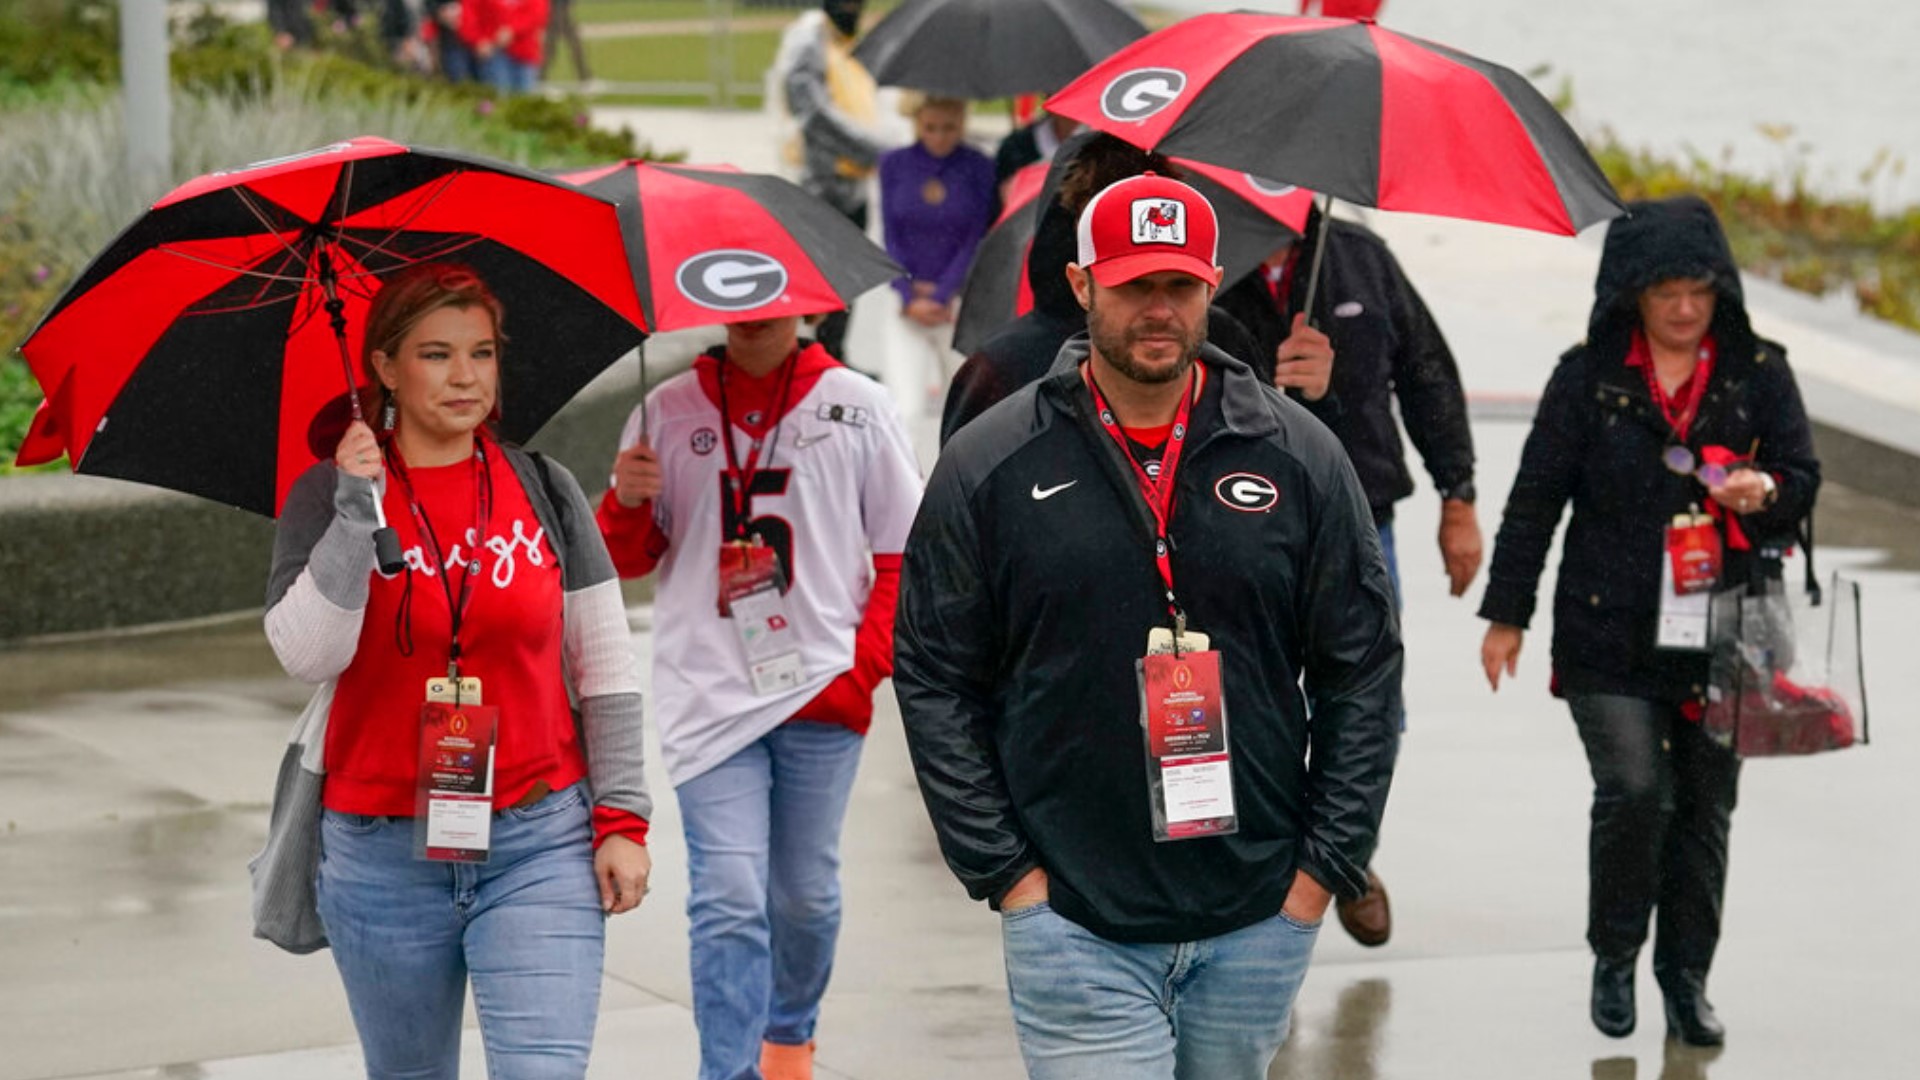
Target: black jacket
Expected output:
[1597,442]
[1020,622]
[1385,344]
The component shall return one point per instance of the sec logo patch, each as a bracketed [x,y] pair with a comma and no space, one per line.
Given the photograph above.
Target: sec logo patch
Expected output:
[703,441]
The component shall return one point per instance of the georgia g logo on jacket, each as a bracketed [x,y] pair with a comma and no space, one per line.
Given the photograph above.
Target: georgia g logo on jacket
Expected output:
[1246,492]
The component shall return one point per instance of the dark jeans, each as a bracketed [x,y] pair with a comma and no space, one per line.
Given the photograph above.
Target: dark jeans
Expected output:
[1663,796]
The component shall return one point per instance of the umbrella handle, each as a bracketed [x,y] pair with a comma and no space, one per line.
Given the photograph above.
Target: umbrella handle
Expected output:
[643,389]
[1319,253]
[386,544]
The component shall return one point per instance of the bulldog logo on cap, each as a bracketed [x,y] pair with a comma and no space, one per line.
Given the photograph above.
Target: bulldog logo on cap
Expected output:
[1160,221]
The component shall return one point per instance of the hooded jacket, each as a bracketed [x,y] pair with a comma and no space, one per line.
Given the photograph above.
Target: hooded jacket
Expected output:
[1022,616]
[1597,442]
[1385,345]
[1024,351]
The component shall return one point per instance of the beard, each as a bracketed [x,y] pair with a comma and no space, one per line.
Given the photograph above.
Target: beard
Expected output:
[1116,346]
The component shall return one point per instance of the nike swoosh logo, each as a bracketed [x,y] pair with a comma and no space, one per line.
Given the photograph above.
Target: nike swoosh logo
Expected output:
[801,442]
[1040,493]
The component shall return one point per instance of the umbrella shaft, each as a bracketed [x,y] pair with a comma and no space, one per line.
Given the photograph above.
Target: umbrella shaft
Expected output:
[1319,252]
[337,318]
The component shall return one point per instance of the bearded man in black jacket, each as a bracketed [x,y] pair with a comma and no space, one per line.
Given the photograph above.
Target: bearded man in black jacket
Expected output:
[1104,565]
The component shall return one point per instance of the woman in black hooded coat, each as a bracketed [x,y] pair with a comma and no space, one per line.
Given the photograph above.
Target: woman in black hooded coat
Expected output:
[1670,362]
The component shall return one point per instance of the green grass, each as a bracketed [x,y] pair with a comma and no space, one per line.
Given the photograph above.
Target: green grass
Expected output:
[668,58]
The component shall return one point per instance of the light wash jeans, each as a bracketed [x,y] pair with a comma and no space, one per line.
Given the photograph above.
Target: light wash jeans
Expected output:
[763,862]
[526,926]
[1086,1008]
[510,76]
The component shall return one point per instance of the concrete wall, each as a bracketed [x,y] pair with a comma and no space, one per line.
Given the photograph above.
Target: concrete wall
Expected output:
[83,554]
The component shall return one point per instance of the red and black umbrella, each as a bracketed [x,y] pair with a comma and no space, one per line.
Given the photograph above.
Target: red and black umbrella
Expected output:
[1352,110]
[1256,217]
[982,49]
[210,348]
[716,245]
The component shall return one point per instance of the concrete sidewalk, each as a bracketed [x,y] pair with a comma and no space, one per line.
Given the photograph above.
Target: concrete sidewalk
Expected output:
[135,772]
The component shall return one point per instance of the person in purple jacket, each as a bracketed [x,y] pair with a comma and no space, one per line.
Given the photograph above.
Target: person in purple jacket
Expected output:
[937,199]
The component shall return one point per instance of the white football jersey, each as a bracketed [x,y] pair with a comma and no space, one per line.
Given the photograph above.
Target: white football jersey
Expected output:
[840,485]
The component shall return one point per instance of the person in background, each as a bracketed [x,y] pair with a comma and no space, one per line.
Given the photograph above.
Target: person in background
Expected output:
[1672,428]
[832,100]
[291,22]
[563,28]
[453,55]
[1343,9]
[936,201]
[1388,348]
[773,492]
[508,41]
[1028,143]
[506,582]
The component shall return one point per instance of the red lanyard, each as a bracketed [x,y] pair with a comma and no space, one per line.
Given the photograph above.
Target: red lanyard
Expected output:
[482,514]
[1158,494]
[1680,414]
[740,480]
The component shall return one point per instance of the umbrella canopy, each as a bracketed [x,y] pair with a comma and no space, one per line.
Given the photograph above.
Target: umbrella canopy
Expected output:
[1256,217]
[993,48]
[1352,110]
[716,245]
[198,352]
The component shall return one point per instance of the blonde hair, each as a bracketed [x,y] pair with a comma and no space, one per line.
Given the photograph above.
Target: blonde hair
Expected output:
[913,102]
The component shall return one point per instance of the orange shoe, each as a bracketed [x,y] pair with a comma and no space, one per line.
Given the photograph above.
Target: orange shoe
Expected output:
[779,1061]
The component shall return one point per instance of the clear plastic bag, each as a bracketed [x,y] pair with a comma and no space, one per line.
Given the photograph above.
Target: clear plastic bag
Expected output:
[1786,675]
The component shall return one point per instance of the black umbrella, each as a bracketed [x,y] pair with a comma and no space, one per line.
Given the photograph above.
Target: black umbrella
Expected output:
[994,48]
[1256,217]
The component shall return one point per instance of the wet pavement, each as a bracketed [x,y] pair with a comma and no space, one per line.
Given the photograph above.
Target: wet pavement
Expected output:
[134,772]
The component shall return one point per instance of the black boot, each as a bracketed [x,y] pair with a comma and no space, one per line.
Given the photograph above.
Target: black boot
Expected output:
[1613,1009]
[1690,1016]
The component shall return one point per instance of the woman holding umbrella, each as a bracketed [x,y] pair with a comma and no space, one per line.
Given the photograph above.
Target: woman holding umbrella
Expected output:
[472,828]
[1673,430]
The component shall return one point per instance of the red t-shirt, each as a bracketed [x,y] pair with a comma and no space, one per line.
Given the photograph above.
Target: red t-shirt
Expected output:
[510,637]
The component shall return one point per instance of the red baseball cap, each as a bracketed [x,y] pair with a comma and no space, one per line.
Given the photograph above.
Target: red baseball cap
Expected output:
[1145,224]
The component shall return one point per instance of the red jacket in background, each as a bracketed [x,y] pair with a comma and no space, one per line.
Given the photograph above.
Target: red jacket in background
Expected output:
[483,20]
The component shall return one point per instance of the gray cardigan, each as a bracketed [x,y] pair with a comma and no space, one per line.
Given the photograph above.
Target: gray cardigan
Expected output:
[323,562]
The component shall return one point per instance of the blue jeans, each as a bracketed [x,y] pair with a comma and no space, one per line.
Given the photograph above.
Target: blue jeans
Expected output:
[1086,1008]
[510,76]
[763,862]
[526,926]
